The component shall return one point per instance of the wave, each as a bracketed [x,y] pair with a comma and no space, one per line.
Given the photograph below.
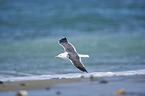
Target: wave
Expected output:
[76,75]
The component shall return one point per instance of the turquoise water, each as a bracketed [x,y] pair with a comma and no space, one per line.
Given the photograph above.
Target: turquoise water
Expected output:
[111,32]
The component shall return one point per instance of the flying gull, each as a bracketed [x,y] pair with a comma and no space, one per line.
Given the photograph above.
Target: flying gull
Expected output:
[71,54]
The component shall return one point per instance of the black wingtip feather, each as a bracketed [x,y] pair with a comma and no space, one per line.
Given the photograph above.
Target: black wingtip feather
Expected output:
[82,69]
[63,40]
[86,71]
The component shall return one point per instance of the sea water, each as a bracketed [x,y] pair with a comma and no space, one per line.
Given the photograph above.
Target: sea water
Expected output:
[111,32]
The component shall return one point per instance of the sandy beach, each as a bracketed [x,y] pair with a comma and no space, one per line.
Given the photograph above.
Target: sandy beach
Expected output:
[93,86]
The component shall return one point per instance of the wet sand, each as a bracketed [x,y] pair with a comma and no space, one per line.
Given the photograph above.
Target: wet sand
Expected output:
[33,84]
[93,86]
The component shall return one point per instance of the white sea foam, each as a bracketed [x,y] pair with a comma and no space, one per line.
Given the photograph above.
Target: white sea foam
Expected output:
[76,75]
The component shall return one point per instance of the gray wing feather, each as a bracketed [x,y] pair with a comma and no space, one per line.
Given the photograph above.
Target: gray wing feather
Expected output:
[77,62]
[68,47]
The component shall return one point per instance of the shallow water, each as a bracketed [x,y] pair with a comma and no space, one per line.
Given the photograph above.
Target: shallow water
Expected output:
[111,32]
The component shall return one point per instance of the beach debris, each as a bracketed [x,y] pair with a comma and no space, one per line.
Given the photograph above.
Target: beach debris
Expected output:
[114,75]
[1,82]
[82,77]
[55,78]
[22,93]
[103,82]
[92,78]
[23,84]
[120,91]
[58,92]
[47,88]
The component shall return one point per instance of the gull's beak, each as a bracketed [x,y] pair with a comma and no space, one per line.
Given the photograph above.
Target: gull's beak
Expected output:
[56,56]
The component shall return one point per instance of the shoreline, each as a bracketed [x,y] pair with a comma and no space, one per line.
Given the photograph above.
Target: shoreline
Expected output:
[93,86]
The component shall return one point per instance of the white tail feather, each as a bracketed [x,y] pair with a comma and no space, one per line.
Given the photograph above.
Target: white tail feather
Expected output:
[83,56]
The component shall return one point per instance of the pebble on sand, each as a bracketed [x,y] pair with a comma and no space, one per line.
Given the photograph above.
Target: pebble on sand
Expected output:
[82,77]
[47,88]
[1,82]
[121,91]
[92,78]
[22,93]
[103,82]
[58,92]
[23,84]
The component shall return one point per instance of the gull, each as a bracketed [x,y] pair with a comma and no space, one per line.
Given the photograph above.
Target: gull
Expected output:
[71,54]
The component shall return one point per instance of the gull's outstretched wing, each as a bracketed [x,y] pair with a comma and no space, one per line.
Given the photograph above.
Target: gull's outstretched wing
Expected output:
[68,47]
[77,62]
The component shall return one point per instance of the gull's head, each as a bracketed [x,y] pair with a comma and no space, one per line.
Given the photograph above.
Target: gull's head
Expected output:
[62,55]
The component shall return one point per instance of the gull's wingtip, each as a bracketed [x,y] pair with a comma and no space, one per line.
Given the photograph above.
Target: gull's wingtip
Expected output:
[64,39]
[82,69]
[86,71]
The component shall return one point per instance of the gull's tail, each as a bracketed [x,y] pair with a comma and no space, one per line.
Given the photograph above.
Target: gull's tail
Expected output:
[83,56]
